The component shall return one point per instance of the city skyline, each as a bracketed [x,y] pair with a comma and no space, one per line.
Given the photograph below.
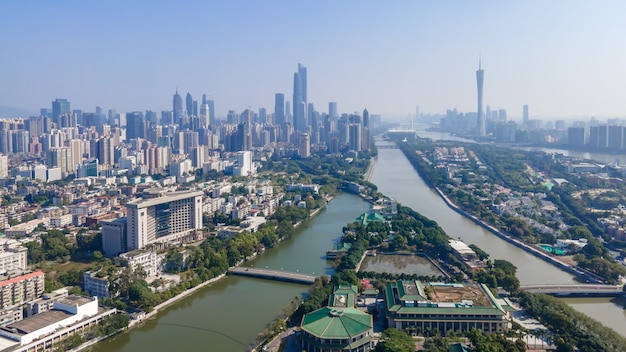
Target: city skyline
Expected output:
[389,58]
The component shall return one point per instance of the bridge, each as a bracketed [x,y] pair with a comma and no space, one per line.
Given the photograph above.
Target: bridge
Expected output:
[596,290]
[277,275]
[387,146]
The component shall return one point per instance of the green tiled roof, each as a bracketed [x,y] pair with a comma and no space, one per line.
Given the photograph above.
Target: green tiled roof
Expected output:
[337,323]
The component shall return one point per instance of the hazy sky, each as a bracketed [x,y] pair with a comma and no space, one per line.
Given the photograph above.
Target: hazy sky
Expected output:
[562,58]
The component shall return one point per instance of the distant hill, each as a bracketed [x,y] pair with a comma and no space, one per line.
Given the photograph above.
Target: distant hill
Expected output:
[12,112]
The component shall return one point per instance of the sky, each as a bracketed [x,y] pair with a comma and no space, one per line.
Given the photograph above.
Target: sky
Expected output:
[565,59]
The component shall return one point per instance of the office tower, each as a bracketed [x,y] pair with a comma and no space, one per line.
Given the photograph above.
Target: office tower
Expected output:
[211,111]
[195,108]
[480,127]
[332,110]
[163,216]
[135,125]
[45,112]
[99,112]
[304,149]
[177,107]
[576,136]
[365,131]
[417,113]
[205,115]
[167,118]
[152,117]
[300,99]
[60,107]
[244,164]
[525,115]
[262,115]
[342,128]
[189,105]
[355,136]
[4,166]
[279,109]
[502,115]
[299,117]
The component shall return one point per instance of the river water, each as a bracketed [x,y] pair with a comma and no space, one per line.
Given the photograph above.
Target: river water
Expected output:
[228,315]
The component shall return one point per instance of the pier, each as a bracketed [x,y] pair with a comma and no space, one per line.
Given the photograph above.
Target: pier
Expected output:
[277,275]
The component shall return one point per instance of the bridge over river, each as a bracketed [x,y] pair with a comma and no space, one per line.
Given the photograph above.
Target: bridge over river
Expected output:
[596,290]
[277,275]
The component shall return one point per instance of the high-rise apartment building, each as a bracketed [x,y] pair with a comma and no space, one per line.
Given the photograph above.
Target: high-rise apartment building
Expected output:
[480,127]
[244,164]
[576,136]
[18,288]
[4,166]
[304,149]
[162,216]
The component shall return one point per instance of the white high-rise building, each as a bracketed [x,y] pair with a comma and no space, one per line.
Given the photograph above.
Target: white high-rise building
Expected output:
[162,215]
[4,166]
[244,164]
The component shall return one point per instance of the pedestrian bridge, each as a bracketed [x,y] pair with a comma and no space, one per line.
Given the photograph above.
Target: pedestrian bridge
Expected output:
[270,274]
[596,290]
[387,146]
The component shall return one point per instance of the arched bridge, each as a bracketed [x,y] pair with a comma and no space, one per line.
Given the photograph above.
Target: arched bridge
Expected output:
[597,290]
[277,275]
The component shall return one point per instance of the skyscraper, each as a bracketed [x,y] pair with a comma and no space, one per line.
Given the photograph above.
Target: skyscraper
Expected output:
[525,114]
[480,127]
[300,99]
[189,104]
[177,107]
[135,125]
[279,109]
[60,107]
[332,109]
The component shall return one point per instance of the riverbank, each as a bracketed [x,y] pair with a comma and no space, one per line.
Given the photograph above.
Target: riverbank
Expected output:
[572,269]
[152,318]
[370,169]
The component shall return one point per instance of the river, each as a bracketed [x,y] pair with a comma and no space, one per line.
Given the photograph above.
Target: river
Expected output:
[395,177]
[228,315]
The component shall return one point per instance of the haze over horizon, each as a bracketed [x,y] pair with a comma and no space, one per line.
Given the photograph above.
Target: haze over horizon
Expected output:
[563,59]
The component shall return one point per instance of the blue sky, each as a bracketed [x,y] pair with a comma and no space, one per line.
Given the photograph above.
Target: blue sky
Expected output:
[562,58]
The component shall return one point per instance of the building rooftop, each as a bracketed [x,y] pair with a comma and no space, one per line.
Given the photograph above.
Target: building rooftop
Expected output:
[416,297]
[164,197]
[336,323]
[73,300]
[37,321]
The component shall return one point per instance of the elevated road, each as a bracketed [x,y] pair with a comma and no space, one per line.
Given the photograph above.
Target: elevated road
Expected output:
[277,275]
[596,290]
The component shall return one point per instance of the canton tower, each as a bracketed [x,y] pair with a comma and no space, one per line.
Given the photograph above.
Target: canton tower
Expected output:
[480,127]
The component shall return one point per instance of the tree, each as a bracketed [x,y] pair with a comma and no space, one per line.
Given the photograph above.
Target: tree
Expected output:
[395,341]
